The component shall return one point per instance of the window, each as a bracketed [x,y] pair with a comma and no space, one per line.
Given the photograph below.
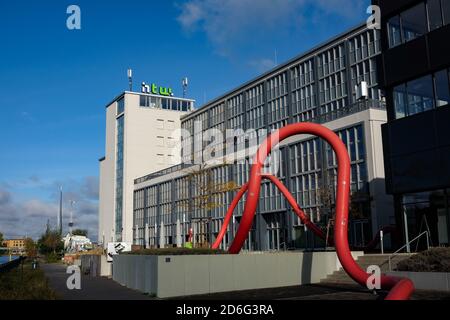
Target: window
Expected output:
[394,32]
[120,106]
[400,102]
[160,158]
[446,11]
[159,124]
[165,103]
[184,106]
[171,142]
[417,21]
[143,101]
[442,88]
[420,95]
[434,14]
[170,125]
[414,22]
[160,141]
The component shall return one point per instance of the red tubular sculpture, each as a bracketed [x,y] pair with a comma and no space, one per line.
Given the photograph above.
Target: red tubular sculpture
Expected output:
[298,211]
[400,288]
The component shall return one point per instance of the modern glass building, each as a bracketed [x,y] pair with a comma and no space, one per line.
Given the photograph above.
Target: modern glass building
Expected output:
[414,73]
[324,86]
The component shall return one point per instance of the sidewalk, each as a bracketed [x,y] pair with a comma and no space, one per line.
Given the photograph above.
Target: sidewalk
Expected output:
[98,288]
[104,289]
[320,291]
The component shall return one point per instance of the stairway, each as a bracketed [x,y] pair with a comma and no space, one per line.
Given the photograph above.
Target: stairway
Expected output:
[341,277]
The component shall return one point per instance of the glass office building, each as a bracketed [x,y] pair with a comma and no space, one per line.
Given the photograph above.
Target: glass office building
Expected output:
[414,73]
[318,86]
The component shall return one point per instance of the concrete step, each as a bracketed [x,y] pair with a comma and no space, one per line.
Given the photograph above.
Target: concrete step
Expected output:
[341,277]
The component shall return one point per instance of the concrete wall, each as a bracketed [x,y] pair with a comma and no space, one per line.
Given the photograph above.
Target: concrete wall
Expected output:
[105,267]
[172,276]
[438,281]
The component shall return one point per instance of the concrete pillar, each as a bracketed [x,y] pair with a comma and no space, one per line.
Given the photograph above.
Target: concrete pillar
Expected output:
[178,233]
[162,241]
[136,241]
[194,233]
[146,235]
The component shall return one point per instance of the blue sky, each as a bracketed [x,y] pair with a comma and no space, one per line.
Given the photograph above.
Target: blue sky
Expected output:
[55,82]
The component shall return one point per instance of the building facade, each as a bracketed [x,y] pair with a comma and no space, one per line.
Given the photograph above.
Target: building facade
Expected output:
[319,86]
[414,73]
[139,139]
[15,246]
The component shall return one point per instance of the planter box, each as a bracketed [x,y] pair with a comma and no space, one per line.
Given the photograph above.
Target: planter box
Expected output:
[438,281]
[184,275]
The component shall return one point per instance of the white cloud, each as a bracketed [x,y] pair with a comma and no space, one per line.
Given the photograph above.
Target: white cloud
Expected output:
[227,23]
[263,64]
[28,217]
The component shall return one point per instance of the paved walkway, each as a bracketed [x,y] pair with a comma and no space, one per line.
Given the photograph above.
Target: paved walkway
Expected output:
[320,291]
[98,288]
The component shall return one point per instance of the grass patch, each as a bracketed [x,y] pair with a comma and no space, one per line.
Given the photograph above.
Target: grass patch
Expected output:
[31,285]
[177,252]
[433,260]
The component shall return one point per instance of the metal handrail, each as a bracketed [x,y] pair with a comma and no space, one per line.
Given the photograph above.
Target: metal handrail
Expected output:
[406,244]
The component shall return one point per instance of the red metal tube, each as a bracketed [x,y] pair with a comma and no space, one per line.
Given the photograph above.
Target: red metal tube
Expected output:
[401,288]
[298,211]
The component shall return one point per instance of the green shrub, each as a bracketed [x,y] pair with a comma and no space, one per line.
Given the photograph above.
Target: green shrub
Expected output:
[52,257]
[177,251]
[433,260]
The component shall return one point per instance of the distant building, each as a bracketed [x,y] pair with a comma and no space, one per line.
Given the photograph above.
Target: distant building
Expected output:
[74,243]
[16,246]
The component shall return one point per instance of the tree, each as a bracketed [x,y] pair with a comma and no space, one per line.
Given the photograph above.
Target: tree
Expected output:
[1,239]
[30,248]
[207,195]
[80,232]
[50,242]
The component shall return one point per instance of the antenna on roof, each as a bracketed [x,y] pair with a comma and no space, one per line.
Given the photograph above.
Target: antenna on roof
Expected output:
[130,78]
[60,223]
[185,84]
[72,202]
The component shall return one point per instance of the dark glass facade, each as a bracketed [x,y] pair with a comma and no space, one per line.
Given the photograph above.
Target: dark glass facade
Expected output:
[414,68]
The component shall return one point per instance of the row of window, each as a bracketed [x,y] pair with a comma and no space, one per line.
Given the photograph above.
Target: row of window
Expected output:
[277,86]
[365,45]
[332,90]
[119,175]
[331,61]
[417,21]
[164,103]
[312,167]
[423,94]
[303,74]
